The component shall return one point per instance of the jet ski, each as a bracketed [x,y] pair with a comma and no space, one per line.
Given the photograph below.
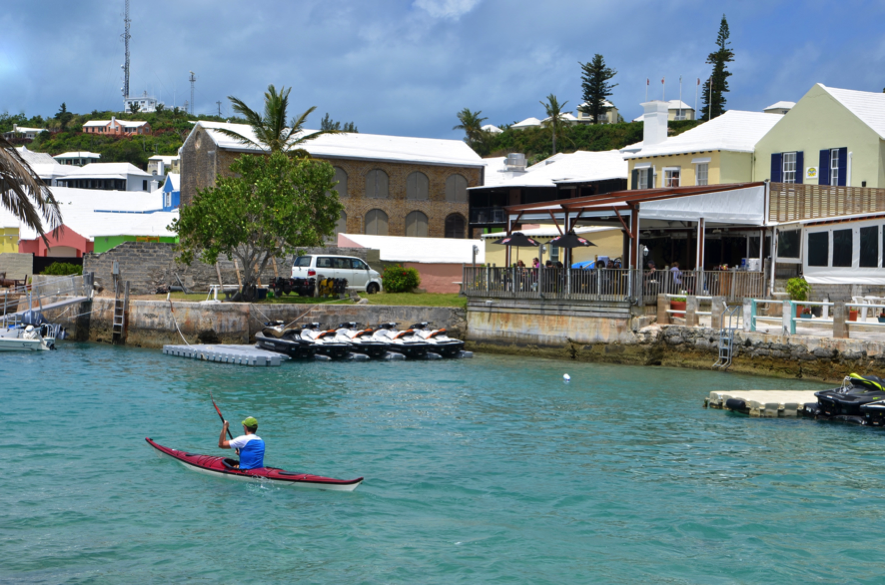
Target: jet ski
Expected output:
[873,413]
[405,342]
[845,403]
[362,340]
[326,341]
[439,342]
[224,467]
[289,341]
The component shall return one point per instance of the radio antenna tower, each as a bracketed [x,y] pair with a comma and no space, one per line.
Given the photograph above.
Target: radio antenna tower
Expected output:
[126,36]
[192,79]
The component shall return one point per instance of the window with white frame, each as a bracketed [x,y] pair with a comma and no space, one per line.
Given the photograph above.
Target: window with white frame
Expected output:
[835,167]
[672,178]
[701,174]
[789,168]
[642,178]
[167,199]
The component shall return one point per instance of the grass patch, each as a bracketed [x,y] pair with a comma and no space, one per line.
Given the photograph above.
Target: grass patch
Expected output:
[426,299]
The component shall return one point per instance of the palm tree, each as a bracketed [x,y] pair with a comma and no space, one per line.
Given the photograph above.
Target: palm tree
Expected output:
[471,123]
[24,194]
[271,132]
[554,121]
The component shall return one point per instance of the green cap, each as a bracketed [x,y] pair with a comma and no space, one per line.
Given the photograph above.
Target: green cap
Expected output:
[250,422]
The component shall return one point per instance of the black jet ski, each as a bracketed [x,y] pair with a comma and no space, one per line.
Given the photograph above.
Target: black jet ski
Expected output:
[845,403]
[405,342]
[326,341]
[362,340]
[439,342]
[276,338]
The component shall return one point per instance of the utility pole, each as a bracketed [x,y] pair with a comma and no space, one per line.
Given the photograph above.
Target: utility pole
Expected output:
[126,36]
[219,108]
[192,79]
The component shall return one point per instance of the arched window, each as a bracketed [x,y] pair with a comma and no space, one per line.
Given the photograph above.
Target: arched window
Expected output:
[377,184]
[417,186]
[455,226]
[456,189]
[341,227]
[342,177]
[417,224]
[376,222]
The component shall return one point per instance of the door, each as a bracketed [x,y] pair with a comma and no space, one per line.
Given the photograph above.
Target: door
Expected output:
[360,272]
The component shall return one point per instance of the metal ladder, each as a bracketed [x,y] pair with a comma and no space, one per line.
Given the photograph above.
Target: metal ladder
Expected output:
[120,305]
[727,338]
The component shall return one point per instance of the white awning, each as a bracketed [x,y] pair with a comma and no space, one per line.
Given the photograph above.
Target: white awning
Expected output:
[741,206]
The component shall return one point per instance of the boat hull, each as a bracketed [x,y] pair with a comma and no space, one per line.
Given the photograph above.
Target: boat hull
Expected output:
[215,466]
[296,349]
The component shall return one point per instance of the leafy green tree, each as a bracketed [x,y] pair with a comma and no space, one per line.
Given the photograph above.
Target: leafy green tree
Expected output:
[595,87]
[328,124]
[271,207]
[271,132]
[555,121]
[24,194]
[471,123]
[63,116]
[712,98]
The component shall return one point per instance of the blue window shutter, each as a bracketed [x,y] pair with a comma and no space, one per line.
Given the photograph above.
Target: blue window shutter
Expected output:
[844,155]
[824,167]
[775,173]
[800,176]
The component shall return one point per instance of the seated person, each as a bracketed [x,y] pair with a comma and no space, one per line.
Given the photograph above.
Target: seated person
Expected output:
[250,447]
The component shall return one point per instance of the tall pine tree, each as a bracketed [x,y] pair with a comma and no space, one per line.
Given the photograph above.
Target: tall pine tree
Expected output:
[595,87]
[712,98]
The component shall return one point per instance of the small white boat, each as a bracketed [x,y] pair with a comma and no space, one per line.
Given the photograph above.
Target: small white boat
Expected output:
[18,338]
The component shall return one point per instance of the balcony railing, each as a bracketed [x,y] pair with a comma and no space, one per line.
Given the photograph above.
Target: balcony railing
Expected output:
[790,202]
[638,287]
[493,215]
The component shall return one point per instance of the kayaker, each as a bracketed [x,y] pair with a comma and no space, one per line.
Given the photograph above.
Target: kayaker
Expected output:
[250,446]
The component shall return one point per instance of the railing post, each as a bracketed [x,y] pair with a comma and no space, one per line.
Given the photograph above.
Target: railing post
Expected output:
[691,308]
[662,315]
[487,280]
[787,318]
[749,315]
[841,330]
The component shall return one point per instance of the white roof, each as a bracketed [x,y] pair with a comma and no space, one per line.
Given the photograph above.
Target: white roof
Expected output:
[549,231]
[78,155]
[491,128]
[43,165]
[735,130]
[346,145]
[409,249]
[527,123]
[606,103]
[105,170]
[176,181]
[153,224]
[165,158]
[88,211]
[678,105]
[567,116]
[868,106]
[780,106]
[121,122]
[580,166]
[24,129]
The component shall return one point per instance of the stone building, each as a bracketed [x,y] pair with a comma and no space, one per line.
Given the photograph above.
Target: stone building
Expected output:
[389,185]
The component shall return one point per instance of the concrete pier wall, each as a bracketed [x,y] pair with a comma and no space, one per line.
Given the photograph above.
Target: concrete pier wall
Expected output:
[152,324]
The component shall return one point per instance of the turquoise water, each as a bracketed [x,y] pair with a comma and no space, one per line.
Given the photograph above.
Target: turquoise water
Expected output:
[490,470]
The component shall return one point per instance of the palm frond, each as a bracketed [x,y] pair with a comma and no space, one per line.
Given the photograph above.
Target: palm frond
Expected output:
[24,194]
[240,137]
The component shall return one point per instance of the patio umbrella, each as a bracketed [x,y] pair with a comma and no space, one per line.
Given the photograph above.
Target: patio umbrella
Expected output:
[517,239]
[570,240]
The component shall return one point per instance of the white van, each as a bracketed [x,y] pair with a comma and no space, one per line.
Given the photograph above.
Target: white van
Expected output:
[329,266]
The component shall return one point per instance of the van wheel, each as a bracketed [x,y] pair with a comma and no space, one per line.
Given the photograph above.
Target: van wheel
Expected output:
[372,288]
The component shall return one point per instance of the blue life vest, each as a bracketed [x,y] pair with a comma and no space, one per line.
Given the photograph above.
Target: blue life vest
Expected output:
[252,455]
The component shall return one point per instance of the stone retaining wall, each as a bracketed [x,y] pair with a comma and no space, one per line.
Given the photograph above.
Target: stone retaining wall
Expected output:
[17,265]
[149,265]
[152,324]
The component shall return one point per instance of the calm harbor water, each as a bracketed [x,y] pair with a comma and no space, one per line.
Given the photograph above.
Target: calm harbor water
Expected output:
[490,470]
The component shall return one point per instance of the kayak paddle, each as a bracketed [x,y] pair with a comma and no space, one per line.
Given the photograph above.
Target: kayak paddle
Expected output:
[220,416]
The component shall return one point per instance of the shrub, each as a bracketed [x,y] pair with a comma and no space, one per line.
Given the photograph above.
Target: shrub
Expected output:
[63,269]
[798,289]
[399,279]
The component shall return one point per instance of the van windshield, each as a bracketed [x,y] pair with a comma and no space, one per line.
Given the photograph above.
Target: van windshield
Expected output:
[302,261]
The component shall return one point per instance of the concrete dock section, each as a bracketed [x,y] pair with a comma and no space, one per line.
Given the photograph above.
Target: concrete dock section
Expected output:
[761,403]
[227,354]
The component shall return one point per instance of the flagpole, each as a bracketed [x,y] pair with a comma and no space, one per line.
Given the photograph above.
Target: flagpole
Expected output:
[695,112]
[662,89]
[647,89]
[681,97]
[710,96]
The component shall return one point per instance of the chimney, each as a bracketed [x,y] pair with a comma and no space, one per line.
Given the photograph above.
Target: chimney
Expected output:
[655,122]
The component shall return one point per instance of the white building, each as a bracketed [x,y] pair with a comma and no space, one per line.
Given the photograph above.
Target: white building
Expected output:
[779,107]
[110,177]
[144,102]
[162,164]
[45,166]
[677,110]
[77,158]
[22,132]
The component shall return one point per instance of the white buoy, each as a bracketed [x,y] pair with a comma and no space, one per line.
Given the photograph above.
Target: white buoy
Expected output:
[566,378]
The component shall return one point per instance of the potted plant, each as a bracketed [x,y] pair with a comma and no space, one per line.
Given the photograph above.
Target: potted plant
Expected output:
[798,290]
[853,314]
[678,303]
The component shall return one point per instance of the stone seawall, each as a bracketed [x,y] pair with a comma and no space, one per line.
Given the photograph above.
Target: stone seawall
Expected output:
[151,324]
[824,359]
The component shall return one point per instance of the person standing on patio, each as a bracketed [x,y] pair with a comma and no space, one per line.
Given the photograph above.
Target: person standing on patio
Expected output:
[676,277]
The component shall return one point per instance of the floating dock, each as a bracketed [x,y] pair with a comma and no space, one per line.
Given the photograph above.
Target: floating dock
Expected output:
[761,403]
[227,354]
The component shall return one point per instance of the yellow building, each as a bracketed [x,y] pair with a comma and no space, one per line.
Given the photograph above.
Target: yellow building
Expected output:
[608,242]
[716,152]
[830,137]
[8,240]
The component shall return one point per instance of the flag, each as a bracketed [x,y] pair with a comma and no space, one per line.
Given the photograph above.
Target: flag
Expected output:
[647,81]
[662,81]
[697,81]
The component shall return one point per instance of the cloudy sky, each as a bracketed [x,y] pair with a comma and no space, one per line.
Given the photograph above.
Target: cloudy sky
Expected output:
[406,67]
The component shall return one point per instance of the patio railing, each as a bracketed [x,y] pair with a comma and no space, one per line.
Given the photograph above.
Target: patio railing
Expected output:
[733,285]
[790,202]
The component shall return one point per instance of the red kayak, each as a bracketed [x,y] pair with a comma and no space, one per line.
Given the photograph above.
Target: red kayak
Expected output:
[217,466]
